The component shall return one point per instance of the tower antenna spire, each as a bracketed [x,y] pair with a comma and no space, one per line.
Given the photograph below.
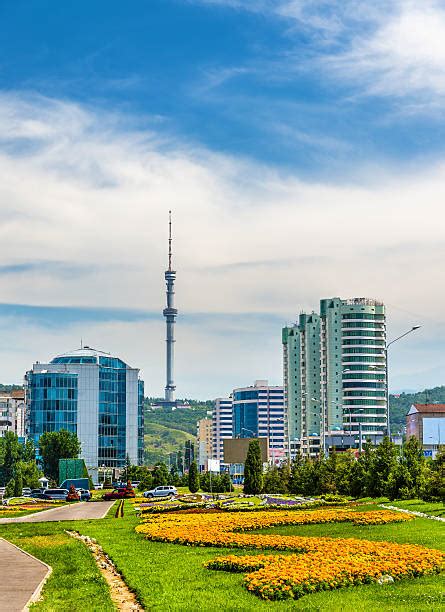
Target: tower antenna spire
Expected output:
[170,313]
[170,240]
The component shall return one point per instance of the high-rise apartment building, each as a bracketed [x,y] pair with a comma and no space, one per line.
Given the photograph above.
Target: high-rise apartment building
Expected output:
[94,394]
[221,426]
[335,373]
[259,412]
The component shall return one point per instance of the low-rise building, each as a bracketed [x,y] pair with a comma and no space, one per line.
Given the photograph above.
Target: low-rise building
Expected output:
[13,412]
[427,423]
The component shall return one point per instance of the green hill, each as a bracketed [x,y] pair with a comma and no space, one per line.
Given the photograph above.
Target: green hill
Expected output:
[160,441]
[184,419]
[400,404]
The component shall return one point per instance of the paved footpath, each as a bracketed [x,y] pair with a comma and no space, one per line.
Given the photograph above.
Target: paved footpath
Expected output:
[72,512]
[24,583]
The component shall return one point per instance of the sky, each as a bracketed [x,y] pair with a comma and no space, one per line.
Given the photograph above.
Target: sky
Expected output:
[299,143]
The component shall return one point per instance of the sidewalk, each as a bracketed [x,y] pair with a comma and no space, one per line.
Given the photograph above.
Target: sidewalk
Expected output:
[25,581]
[72,512]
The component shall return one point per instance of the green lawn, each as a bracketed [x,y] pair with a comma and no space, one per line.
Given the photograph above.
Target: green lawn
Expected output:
[169,577]
[75,583]
[418,505]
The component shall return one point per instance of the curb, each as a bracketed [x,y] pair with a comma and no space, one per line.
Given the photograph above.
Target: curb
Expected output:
[36,594]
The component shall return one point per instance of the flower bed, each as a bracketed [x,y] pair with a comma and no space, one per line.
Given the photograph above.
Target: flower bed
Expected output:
[323,563]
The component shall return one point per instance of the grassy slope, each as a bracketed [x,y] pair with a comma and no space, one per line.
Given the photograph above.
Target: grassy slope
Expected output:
[171,577]
[184,419]
[161,440]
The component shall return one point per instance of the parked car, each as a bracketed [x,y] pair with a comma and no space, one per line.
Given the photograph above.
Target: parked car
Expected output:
[165,491]
[26,492]
[98,486]
[85,494]
[135,484]
[59,494]
[118,494]
[2,490]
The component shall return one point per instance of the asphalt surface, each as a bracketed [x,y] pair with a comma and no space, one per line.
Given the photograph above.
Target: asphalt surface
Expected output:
[22,577]
[72,512]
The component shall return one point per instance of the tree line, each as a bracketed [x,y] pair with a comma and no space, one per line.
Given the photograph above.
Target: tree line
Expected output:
[385,470]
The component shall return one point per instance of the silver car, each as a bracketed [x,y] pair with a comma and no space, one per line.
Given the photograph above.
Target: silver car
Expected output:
[164,491]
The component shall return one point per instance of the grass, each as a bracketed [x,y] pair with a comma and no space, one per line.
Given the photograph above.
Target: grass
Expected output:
[75,583]
[418,505]
[169,577]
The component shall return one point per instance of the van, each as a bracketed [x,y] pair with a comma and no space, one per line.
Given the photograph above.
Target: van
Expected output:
[59,494]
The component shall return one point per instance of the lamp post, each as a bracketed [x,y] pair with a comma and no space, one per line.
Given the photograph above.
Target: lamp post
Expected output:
[387,372]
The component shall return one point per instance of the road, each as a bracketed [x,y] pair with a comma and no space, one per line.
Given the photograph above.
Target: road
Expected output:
[72,512]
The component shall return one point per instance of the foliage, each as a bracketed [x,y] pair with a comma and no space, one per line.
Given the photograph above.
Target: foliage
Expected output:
[216,483]
[273,481]
[434,487]
[10,488]
[253,469]
[162,441]
[160,475]
[183,419]
[30,474]
[18,480]
[55,445]
[11,452]
[400,404]
[193,477]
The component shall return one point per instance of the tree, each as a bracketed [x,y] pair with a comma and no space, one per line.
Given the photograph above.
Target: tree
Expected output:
[12,451]
[253,469]
[160,475]
[55,445]
[408,477]
[10,488]
[193,477]
[384,462]
[29,451]
[273,483]
[18,481]
[146,481]
[434,487]
[30,474]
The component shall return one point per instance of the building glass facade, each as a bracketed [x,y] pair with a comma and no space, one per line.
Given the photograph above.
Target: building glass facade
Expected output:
[95,395]
[52,401]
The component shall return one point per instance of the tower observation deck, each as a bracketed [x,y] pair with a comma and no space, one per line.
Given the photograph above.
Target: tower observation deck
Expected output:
[170,313]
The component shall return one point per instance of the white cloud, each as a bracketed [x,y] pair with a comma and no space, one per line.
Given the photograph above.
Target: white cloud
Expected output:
[94,194]
[403,55]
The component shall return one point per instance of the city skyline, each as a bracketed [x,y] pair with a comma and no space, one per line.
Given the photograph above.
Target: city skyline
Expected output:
[276,204]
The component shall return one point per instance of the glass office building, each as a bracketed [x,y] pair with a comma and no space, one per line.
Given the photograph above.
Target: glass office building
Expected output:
[95,395]
[259,412]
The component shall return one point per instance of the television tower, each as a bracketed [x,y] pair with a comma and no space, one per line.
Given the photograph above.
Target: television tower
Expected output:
[170,314]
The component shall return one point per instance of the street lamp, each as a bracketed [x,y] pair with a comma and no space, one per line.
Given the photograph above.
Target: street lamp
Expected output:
[252,432]
[387,372]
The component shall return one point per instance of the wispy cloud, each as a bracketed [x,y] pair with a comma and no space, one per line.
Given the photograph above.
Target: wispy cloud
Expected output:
[248,239]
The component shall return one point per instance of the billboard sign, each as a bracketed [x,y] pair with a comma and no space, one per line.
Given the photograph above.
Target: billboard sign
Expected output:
[235,449]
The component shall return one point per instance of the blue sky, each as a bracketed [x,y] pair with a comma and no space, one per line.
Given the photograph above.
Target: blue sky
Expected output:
[300,144]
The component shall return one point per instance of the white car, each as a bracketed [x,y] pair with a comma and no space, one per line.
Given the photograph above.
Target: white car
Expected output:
[164,491]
